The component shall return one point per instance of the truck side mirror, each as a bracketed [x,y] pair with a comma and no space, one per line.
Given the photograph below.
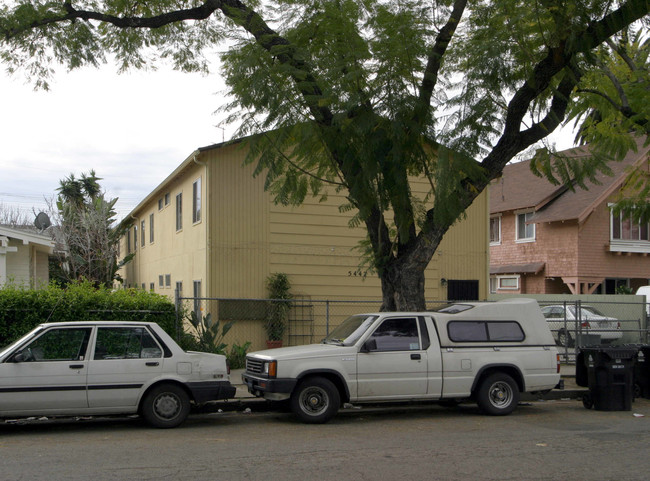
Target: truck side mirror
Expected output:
[369,345]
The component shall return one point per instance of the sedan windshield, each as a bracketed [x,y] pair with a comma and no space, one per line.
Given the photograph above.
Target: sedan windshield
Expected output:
[349,331]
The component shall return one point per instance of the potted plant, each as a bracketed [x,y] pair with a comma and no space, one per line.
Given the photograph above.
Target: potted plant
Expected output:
[279,287]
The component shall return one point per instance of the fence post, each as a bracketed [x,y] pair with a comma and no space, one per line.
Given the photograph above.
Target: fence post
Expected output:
[327,318]
[177,304]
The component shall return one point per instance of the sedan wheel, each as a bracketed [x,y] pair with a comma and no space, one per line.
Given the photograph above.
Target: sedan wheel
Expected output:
[166,406]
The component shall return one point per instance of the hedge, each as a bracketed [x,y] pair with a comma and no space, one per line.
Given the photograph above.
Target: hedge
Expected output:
[23,309]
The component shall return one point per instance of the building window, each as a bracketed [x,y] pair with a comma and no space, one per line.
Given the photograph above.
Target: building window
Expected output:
[135,237]
[197,295]
[167,199]
[494,284]
[128,241]
[152,286]
[160,203]
[179,287]
[151,228]
[142,236]
[161,281]
[510,283]
[179,211]
[196,201]
[168,280]
[495,230]
[525,232]
[143,286]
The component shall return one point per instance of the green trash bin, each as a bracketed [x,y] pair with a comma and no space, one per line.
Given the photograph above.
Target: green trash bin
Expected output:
[610,374]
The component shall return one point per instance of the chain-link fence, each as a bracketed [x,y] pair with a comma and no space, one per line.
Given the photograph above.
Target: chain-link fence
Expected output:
[573,323]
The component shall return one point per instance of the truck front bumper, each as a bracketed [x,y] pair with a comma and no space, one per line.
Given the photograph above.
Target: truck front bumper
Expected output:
[274,389]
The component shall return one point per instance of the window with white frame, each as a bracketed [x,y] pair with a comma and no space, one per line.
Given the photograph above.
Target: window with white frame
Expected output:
[142,236]
[508,283]
[161,281]
[495,230]
[179,211]
[525,231]
[626,235]
[135,237]
[151,228]
[196,201]
[493,285]
[168,280]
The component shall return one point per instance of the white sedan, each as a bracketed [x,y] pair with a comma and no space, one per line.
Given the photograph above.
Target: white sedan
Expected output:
[101,368]
[564,324]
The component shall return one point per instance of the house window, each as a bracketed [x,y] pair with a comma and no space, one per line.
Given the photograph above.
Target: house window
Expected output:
[196,201]
[152,286]
[160,203]
[167,199]
[179,211]
[495,230]
[128,241]
[508,282]
[142,236]
[168,280]
[627,235]
[525,232]
[143,286]
[135,237]
[179,287]
[150,228]
[197,295]
[161,281]
[626,229]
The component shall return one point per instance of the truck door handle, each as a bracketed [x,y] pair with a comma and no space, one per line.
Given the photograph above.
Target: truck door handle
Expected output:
[76,366]
[152,364]
[416,357]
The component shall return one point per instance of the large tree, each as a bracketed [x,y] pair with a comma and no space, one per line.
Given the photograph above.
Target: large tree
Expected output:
[360,95]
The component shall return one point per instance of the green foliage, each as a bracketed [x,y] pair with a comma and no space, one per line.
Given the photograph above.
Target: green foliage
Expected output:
[237,355]
[207,335]
[23,309]
[87,229]
[279,291]
[358,96]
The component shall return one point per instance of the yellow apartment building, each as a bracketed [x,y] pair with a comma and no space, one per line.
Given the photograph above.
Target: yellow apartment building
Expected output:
[210,230]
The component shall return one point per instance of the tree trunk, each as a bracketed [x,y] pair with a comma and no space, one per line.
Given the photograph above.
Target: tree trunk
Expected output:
[403,288]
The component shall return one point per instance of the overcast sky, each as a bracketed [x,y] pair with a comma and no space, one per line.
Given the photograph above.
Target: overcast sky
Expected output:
[133,129]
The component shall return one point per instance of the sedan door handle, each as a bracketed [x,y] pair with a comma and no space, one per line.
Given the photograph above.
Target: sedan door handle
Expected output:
[76,366]
[153,364]
[416,357]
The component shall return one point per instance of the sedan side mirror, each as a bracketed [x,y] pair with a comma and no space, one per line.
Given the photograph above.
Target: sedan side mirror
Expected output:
[24,355]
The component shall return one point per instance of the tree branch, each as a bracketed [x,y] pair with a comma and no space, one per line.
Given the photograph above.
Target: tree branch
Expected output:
[435,60]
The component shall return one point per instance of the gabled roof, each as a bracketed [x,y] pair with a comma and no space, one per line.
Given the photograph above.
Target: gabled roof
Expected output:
[519,189]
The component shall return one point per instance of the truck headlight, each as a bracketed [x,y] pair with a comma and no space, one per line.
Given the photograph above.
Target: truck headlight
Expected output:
[271,368]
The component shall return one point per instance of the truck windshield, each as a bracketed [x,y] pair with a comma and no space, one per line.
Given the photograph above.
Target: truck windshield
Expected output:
[350,330]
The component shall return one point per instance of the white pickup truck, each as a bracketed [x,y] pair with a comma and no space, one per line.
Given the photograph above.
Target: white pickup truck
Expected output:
[489,352]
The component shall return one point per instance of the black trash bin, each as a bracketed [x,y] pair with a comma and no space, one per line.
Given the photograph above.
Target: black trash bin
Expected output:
[642,373]
[610,374]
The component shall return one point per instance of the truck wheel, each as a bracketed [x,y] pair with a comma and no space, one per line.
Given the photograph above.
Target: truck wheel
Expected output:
[498,394]
[166,406]
[315,400]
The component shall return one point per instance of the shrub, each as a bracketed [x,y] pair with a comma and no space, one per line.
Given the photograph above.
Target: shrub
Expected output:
[23,309]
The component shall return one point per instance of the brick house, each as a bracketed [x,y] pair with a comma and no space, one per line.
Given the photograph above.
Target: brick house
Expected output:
[548,239]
